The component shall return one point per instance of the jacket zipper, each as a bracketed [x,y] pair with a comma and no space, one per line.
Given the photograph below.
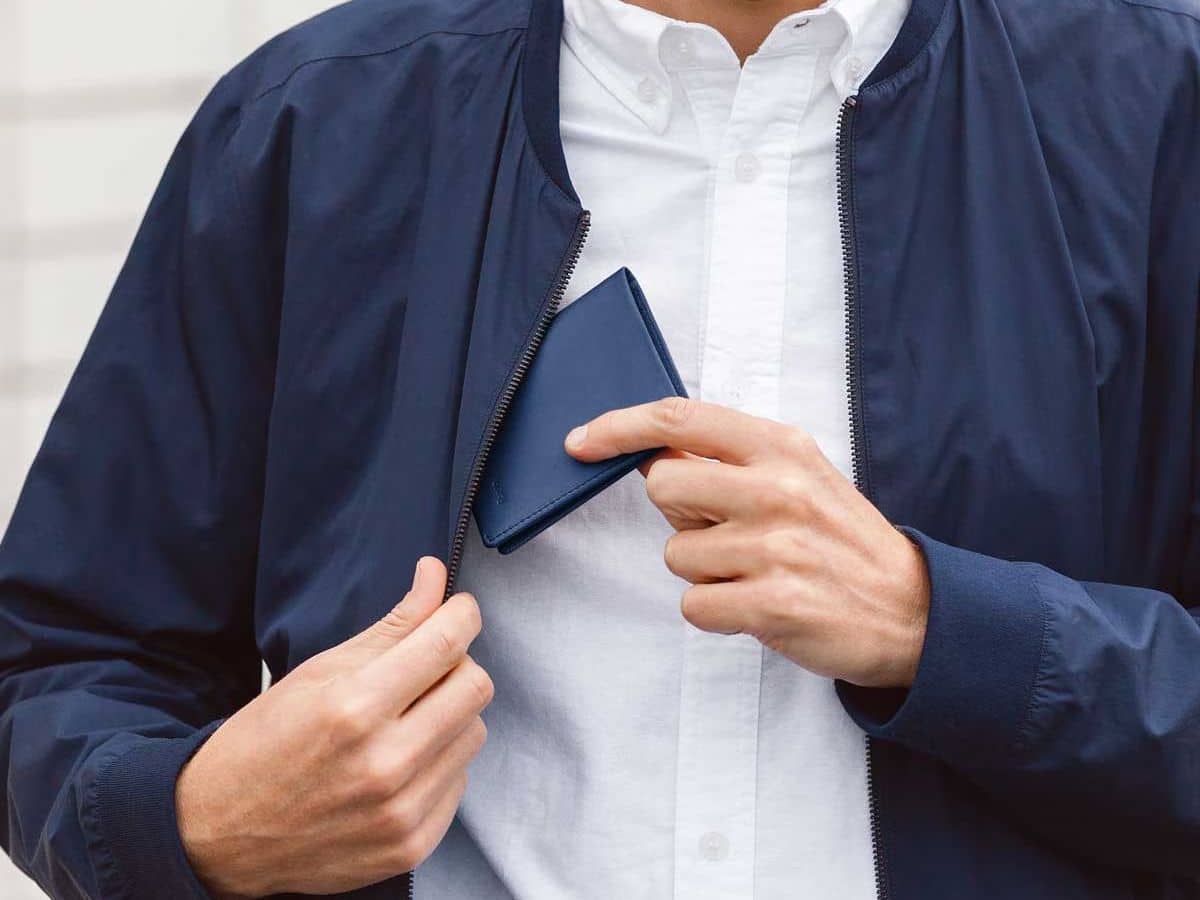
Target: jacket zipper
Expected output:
[845,200]
[845,188]
[582,225]
[562,279]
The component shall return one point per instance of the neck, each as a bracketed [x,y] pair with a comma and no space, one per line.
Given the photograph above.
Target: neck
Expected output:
[744,23]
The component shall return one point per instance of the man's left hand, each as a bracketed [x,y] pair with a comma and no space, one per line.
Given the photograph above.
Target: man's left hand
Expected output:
[776,542]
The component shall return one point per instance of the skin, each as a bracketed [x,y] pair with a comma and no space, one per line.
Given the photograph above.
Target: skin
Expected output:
[349,770]
[376,734]
[775,541]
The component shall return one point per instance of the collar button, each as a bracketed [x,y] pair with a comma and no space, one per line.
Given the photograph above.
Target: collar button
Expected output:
[680,51]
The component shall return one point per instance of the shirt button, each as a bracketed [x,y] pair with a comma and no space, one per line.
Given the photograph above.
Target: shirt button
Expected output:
[854,67]
[745,168]
[647,90]
[681,50]
[714,846]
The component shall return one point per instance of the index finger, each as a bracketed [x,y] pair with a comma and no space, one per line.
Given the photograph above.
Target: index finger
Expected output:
[401,675]
[679,423]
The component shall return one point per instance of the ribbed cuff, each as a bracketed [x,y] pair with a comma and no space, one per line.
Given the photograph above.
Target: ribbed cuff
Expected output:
[136,840]
[983,649]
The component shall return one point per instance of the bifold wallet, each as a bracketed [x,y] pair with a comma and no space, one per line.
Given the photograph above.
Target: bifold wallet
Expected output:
[602,352]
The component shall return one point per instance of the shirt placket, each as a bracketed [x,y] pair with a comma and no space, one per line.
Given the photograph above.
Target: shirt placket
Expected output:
[740,367]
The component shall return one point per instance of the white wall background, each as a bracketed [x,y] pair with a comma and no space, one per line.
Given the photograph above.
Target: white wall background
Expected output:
[93,96]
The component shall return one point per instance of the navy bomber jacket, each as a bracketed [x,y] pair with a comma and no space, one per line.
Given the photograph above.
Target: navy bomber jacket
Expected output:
[291,389]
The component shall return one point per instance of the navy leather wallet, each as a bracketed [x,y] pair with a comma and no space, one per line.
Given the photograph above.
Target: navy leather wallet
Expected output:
[602,352]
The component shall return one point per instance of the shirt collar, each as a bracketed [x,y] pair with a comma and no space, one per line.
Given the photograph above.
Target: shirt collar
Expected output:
[631,50]
[873,26]
[619,43]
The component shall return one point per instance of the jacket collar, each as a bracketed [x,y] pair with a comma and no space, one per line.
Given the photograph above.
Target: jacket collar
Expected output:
[543,43]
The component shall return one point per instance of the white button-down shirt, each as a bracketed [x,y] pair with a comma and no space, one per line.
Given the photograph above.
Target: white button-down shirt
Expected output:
[631,755]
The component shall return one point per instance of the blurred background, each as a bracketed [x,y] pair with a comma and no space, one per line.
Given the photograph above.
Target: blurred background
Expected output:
[93,96]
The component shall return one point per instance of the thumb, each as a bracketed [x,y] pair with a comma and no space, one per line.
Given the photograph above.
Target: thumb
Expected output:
[423,598]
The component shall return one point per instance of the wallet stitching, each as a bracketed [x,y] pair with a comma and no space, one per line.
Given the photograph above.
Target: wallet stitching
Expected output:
[583,485]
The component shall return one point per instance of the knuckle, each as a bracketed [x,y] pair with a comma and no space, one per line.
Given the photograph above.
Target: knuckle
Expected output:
[471,617]
[477,733]
[789,609]
[674,412]
[656,483]
[404,760]
[441,716]
[799,444]
[344,715]
[402,816]
[378,775]
[444,644]
[673,553]
[396,624]
[789,490]
[781,601]
[454,631]
[481,684]
[600,429]
[778,547]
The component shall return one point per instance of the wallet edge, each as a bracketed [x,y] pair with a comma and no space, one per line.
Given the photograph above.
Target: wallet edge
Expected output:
[511,538]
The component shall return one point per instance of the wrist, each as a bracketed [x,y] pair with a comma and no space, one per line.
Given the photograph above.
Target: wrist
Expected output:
[911,599]
[918,597]
[205,842]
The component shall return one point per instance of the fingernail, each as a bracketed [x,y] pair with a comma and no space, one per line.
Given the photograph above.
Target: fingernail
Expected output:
[417,574]
[576,438]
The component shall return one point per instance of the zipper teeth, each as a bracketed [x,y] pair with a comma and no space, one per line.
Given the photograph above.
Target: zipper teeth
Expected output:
[845,200]
[565,272]
[850,271]
[582,226]
[881,874]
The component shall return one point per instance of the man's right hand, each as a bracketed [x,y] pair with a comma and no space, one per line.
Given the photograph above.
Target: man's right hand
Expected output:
[349,770]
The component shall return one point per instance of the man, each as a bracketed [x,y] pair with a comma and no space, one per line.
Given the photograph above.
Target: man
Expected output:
[934,265]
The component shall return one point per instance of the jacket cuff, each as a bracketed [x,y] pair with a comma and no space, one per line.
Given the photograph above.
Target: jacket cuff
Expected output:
[970,700]
[136,842]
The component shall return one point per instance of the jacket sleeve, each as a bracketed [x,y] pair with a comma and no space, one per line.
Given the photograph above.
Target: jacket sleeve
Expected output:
[127,572]
[1076,705]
